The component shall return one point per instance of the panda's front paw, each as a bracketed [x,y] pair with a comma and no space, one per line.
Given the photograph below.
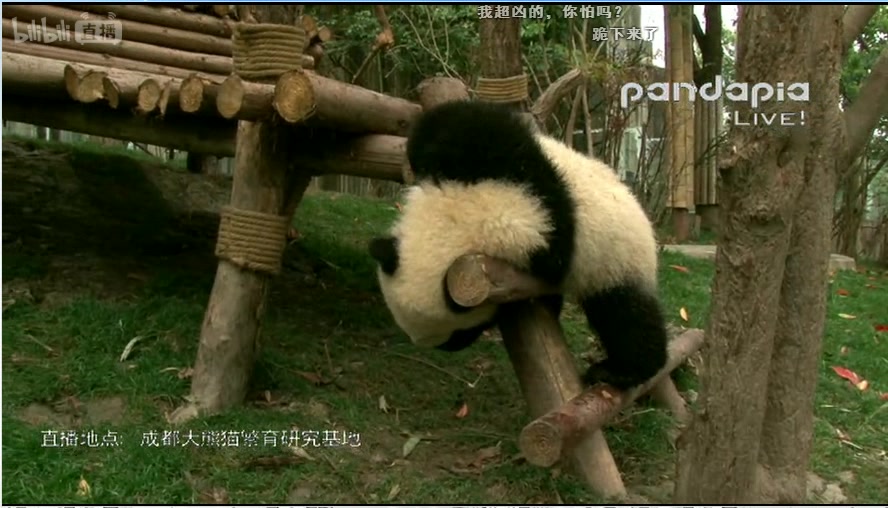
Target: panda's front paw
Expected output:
[603,372]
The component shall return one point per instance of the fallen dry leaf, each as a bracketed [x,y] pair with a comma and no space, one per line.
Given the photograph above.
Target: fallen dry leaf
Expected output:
[848,374]
[842,292]
[843,351]
[683,313]
[394,492]
[83,488]
[382,404]
[883,396]
[410,445]
[463,411]
[847,316]
[881,328]
[129,348]
[398,206]
[680,268]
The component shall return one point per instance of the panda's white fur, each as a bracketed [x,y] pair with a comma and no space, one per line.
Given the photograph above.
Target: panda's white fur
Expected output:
[441,222]
[531,200]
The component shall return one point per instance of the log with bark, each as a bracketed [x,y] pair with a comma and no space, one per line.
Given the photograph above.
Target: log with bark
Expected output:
[543,441]
[137,31]
[149,53]
[163,16]
[331,103]
[372,156]
[73,55]
[183,132]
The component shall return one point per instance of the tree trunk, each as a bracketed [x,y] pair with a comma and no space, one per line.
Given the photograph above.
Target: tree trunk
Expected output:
[788,427]
[760,186]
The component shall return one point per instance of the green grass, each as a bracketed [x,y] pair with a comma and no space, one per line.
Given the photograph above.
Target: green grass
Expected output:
[326,322]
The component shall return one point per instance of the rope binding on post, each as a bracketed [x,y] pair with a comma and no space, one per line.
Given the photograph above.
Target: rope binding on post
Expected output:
[252,240]
[511,89]
[264,51]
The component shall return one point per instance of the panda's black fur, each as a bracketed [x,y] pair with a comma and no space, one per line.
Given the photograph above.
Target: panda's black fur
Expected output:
[472,142]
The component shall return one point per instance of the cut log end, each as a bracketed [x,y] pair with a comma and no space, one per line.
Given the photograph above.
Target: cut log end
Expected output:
[164,101]
[542,440]
[230,98]
[438,90]
[112,92]
[91,89]
[294,97]
[191,94]
[148,97]
[467,281]
[72,81]
[475,279]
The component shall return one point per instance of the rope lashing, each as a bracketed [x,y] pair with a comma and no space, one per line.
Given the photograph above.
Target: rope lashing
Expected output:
[511,89]
[252,240]
[263,51]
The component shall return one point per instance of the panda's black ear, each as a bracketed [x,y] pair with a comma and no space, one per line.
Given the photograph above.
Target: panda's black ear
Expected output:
[385,251]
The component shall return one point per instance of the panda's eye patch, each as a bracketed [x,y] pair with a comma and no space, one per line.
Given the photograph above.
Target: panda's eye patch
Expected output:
[385,251]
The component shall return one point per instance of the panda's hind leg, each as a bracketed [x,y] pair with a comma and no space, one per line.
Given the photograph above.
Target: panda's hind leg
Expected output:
[630,324]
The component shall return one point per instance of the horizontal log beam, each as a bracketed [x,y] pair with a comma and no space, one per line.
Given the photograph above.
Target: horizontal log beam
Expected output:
[183,132]
[131,30]
[73,55]
[163,16]
[329,103]
[139,51]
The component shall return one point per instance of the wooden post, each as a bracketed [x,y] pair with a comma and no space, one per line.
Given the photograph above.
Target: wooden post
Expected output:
[265,190]
[532,336]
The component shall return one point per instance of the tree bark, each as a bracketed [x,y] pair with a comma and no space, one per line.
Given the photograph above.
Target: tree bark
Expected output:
[760,185]
[787,432]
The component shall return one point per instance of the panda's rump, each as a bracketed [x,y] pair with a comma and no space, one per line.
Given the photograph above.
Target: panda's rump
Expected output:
[615,241]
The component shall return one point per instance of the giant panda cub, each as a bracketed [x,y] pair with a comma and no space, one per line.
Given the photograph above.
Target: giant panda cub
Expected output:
[487,183]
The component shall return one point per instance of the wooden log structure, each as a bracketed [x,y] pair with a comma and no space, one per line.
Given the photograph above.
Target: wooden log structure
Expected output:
[373,156]
[570,418]
[162,16]
[182,132]
[543,441]
[137,31]
[326,102]
[317,99]
[136,51]
[266,189]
